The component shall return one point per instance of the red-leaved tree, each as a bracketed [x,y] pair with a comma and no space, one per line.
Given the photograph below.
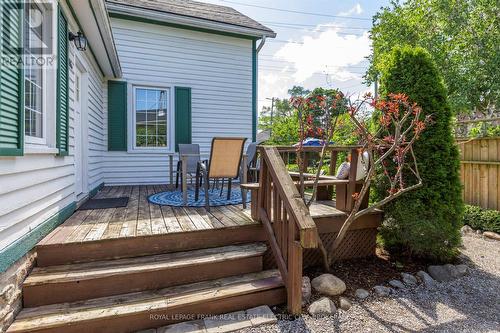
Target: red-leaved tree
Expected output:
[389,150]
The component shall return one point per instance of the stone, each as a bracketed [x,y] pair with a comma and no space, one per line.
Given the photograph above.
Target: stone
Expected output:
[479,232]
[492,235]
[462,269]
[382,291]
[227,323]
[195,326]
[466,229]
[344,303]
[409,279]
[306,290]
[6,293]
[261,315]
[361,293]
[439,273]
[453,270]
[397,284]
[322,307]
[428,281]
[328,284]
[11,283]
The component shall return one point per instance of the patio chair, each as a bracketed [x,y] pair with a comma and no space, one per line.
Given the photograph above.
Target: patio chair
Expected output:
[193,152]
[252,162]
[225,162]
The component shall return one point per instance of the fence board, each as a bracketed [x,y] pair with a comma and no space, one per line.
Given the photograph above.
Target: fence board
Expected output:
[480,171]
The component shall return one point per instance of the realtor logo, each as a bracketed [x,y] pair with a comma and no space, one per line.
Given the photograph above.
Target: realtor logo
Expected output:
[35,20]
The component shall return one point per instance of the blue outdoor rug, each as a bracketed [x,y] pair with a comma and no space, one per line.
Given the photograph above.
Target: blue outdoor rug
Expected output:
[174,198]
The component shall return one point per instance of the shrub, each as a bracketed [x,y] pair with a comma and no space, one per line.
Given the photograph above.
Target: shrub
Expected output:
[425,222]
[482,219]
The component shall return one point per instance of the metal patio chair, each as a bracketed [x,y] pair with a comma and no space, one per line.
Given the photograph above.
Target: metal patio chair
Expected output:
[192,151]
[225,162]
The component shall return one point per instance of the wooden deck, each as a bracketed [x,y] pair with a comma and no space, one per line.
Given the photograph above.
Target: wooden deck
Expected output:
[110,270]
[141,218]
[142,228]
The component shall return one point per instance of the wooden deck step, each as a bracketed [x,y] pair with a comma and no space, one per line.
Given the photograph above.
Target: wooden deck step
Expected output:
[68,283]
[150,309]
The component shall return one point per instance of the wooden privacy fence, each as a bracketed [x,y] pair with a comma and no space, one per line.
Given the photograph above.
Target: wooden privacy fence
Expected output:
[480,171]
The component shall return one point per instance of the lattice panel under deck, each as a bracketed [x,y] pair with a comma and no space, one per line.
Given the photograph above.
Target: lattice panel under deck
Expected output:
[357,244]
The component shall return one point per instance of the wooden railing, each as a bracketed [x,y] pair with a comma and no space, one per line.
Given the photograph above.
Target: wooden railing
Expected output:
[343,192]
[287,222]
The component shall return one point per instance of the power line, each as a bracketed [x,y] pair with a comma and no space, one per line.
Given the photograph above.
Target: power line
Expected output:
[317,30]
[290,63]
[297,11]
[324,72]
[315,25]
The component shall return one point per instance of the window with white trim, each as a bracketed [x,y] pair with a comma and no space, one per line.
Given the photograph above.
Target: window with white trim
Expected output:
[151,117]
[33,74]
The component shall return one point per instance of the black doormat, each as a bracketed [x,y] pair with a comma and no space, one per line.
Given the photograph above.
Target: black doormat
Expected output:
[104,203]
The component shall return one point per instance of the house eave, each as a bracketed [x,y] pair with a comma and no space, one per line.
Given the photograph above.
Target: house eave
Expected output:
[93,20]
[197,23]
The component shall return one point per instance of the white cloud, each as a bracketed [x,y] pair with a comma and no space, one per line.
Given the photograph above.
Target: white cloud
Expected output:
[329,52]
[356,10]
[272,84]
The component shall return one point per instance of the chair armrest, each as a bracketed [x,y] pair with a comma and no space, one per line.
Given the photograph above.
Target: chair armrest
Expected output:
[250,186]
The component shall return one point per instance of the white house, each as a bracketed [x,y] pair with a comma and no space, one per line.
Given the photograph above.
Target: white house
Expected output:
[155,73]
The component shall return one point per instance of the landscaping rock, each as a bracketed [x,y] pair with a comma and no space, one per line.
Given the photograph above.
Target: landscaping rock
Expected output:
[361,293]
[466,229]
[322,307]
[428,281]
[261,315]
[227,323]
[328,284]
[453,270]
[492,235]
[382,291]
[479,232]
[186,327]
[409,279]
[306,290]
[462,269]
[344,303]
[397,284]
[440,273]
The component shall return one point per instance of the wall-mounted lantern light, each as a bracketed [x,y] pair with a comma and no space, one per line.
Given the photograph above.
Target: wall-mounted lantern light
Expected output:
[79,39]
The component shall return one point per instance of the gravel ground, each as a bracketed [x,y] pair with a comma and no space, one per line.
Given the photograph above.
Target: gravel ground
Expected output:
[467,304]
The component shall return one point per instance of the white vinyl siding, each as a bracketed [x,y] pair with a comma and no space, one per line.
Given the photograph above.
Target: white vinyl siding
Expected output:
[218,69]
[34,187]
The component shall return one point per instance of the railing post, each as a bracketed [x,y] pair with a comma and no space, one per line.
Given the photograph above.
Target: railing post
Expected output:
[351,186]
[262,187]
[294,283]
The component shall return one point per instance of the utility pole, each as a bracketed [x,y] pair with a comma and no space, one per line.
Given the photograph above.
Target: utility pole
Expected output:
[272,112]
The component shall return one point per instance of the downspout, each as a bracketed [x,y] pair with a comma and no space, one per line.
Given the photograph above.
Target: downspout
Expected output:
[255,52]
[262,42]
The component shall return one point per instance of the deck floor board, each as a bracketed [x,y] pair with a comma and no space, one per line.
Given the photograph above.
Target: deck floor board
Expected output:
[141,218]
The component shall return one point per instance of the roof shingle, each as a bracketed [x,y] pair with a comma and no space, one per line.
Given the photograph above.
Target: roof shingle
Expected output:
[195,9]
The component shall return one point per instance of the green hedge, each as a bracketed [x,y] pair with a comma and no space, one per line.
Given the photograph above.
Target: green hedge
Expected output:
[425,222]
[482,219]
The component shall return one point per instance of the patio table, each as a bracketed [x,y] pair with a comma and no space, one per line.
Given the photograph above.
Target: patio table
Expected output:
[184,172]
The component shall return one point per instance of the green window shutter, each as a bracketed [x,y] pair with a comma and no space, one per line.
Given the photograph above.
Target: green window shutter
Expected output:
[62,140]
[11,80]
[182,116]
[117,116]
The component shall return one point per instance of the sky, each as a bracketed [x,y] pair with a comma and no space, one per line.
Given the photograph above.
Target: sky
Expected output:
[321,43]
